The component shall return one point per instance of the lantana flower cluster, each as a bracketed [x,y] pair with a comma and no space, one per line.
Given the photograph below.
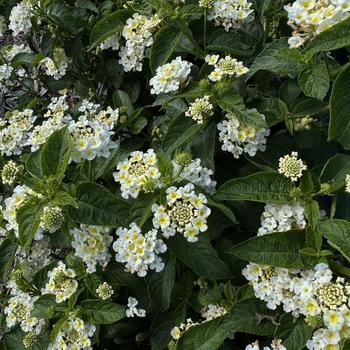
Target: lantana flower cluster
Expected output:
[238,138]
[308,18]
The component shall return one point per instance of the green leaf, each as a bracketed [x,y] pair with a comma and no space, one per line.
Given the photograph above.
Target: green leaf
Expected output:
[335,171]
[264,186]
[122,99]
[57,327]
[101,312]
[229,42]
[98,206]
[338,234]
[314,81]
[276,59]
[8,250]
[63,198]
[141,211]
[40,277]
[33,165]
[28,218]
[200,256]
[55,154]
[160,284]
[107,26]
[181,129]
[294,332]
[43,306]
[339,126]
[165,42]
[334,38]
[280,249]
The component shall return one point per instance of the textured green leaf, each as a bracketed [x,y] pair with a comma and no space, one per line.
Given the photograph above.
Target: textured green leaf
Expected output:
[165,42]
[264,186]
[43,306]
[101,312]
[338,234]
[107,26]
[98,206]
[200,256]
[314,81]
[8,250]
[55,154]
[279,249]
[339,127]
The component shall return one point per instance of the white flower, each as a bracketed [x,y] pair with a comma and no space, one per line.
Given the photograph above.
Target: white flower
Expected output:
[132,310]
[20,18]
[139,252]
[112,42]
[212,311]
[170,76]
[138,173]
[229,13]
[200,109]
[185,212]
[91,244]
[238,138]
[333,320]
[225,67]
[292,167]
[56,66]
[61,283]
[74,334]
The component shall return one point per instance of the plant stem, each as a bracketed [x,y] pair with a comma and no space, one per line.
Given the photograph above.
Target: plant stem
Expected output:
[205,32]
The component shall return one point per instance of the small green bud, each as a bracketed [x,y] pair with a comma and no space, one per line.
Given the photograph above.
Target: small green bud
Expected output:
[104,291]
[51,219]
[325,188]
[314,321]
[183,158]
[296,192]
[29,339]
[10,173]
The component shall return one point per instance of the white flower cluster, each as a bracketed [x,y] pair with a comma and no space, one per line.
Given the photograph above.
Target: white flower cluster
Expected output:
[176,332]
[275,345]
[292,167]
[281,217]
[237,137]
[139,251]
[200,109]
[170,76]
[229,13]
[308,18]
[14,137]
[74,334]
[91,138]
[112,42]
[13,203]
[91,244]
[5,74]
[347,183]
[225,67]
[18,311]
[56,66]
[307,292]
[20,18]
[184,212]
[61,283]
[212,311]
[132,310]
[197,174]
[138,35]
[137,173]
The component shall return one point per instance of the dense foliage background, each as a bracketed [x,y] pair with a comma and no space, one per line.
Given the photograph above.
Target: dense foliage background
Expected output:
[146,161]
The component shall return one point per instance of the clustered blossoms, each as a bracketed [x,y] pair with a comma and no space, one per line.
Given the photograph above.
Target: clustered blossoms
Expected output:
[308,18]
[281,217]
[229,13]
[184,212]
[292,167]
[18,311]
[347,183]
[104,291]
[112,42]
[138,35]
[56,66]
[139,252]
[91,244]
[10,172]
[170,76]
[51,219]
[225,67]
[132,310]
[20,18]
[61,283]
[137,173]
[275,345]
[200,109]
[237,137]
[74,334]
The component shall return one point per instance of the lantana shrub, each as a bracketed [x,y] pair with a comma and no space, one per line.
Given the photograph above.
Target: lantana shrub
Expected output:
[175,174]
